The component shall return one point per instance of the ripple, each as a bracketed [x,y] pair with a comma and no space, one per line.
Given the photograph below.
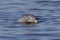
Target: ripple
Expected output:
[15,4]
[6,37]
[42,1]
[55,39]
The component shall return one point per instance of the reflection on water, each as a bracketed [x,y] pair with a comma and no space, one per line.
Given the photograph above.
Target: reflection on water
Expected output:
[46,11]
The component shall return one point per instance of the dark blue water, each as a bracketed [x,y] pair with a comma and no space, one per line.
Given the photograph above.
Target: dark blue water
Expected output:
[47,10]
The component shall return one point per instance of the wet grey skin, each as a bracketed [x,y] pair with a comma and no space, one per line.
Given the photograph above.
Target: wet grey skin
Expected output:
[28,19]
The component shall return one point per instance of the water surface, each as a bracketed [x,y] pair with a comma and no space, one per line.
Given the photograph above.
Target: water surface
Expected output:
[48,11]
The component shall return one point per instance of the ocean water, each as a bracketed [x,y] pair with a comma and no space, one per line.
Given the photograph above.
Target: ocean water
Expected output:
[48,12]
